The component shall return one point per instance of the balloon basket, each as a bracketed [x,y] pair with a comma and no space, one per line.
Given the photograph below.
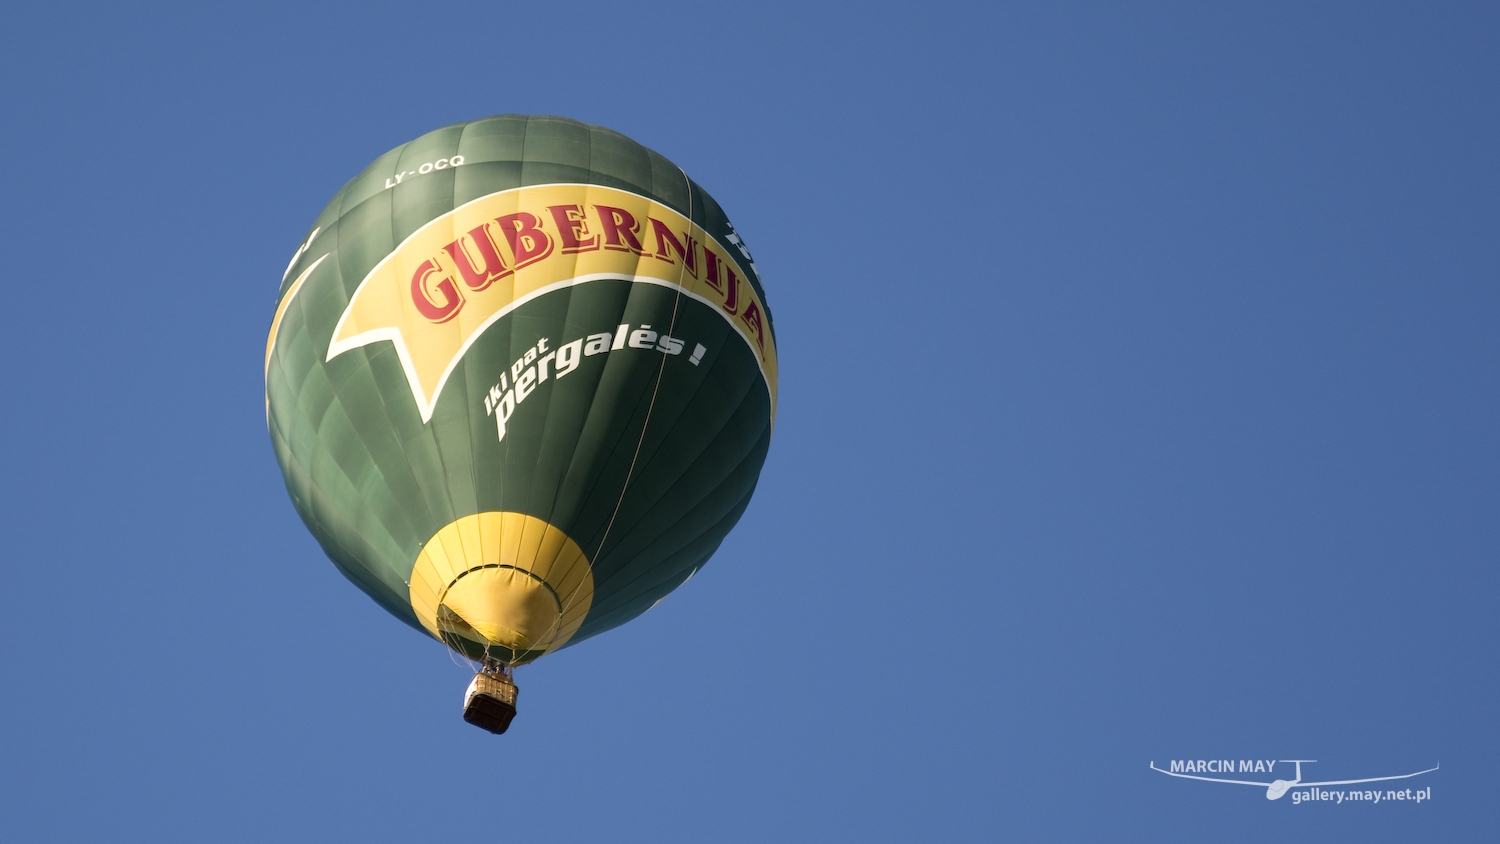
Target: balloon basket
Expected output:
[490,703]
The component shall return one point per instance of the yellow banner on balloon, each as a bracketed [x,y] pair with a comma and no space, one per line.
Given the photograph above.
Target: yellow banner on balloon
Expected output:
[458,274]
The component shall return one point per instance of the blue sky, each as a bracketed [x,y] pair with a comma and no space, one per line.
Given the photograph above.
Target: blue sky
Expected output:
[1138,403]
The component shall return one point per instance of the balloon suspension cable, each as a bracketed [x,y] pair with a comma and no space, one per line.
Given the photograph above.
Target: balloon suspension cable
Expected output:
[495,667]
[456,653]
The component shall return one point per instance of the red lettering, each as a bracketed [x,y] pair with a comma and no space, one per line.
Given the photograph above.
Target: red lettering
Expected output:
[573,229]
[664,237]
[711,261]
[451,301]
[474,278]
[732,300]
[751,316]
[620,229]
[527,240]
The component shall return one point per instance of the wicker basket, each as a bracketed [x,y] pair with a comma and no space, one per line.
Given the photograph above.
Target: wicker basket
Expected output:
[490,703]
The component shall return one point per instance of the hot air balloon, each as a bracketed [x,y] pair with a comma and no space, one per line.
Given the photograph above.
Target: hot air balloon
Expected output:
[520,381]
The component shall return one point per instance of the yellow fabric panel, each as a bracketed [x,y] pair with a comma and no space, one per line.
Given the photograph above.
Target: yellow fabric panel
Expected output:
[484,574]
[505,606]
[455,561]
[511,527]
[426,593]
[568,571]
[470,546]
[291,293]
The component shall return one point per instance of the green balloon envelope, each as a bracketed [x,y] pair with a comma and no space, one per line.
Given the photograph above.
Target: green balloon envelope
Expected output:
[521,380]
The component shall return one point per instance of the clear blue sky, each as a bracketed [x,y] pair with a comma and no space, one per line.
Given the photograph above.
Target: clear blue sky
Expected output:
[1138,403]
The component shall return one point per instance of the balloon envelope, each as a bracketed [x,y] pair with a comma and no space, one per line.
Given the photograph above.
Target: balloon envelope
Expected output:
[520,379]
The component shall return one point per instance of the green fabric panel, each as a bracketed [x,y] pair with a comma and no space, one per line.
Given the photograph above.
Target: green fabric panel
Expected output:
[669,184]
[630,600]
